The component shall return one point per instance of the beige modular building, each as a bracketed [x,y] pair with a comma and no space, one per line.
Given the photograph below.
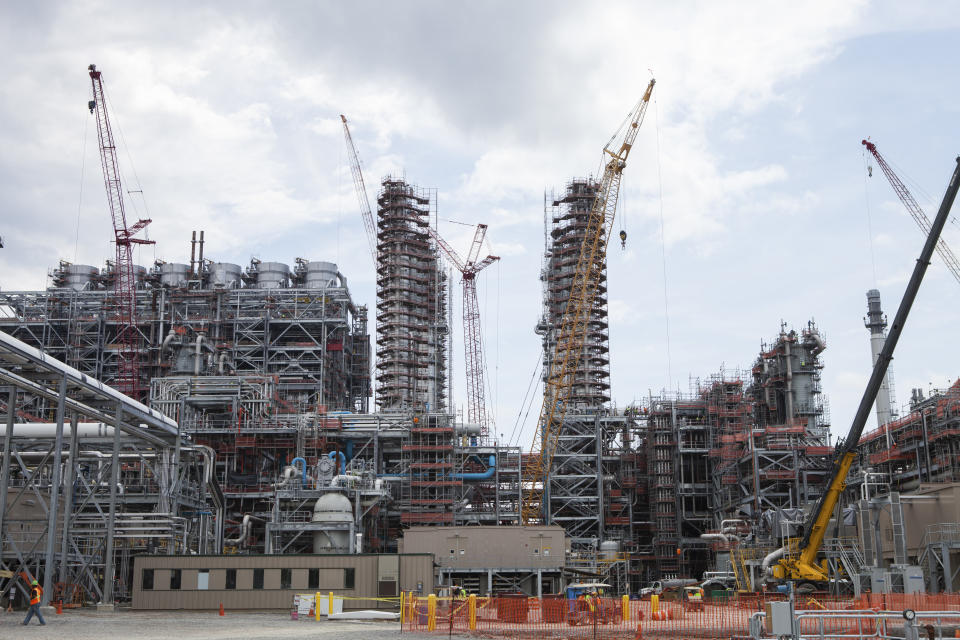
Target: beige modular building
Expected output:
[270,581]
[486,559]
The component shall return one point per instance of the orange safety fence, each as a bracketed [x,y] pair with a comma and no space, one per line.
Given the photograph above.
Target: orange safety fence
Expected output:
[520,616]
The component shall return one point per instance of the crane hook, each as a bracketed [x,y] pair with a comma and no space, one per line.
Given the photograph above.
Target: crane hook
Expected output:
[623,239]
[870,170]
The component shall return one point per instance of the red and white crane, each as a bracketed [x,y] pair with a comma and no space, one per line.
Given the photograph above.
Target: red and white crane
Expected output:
[125,284]
[361,190]
[950,260]
[472,338]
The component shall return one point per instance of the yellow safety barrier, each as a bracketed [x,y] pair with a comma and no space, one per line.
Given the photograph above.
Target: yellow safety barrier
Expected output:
[316,606]
[625,607]
[431,612]
[654,603]
[472,600]
[330,603]
[403,616]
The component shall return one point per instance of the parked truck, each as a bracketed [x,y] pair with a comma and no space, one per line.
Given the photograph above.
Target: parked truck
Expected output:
[661,587]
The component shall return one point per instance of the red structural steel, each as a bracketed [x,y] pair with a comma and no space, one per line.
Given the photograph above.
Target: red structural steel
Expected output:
[472,338]
[125,285]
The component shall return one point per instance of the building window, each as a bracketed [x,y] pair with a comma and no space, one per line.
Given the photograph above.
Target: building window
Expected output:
[348,578]
[313,579]
[147,581]
[231,582]
[203,579]
[175,576]
[285,578]
[258,578]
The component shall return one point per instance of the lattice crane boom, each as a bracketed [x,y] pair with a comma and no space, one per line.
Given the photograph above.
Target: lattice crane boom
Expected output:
[472,337]
[125,285]
[361,189]
[576,316]
[949,259]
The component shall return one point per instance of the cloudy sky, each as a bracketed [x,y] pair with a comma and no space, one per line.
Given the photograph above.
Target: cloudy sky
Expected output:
[229,114]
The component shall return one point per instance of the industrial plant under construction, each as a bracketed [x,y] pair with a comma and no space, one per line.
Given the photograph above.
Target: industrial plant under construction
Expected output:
[175,428]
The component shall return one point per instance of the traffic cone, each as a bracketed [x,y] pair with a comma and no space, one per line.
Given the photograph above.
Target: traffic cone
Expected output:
[59,607]
[221,609]
[639,633]
[956,634]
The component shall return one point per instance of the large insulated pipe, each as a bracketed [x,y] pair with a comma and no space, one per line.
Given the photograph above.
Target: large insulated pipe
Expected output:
[49,430]
[343,460]
[303,468]
[772,557]
[196,357]
[876,322]
[479,476]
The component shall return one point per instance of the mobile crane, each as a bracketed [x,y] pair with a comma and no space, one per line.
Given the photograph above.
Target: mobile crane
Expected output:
[803,566]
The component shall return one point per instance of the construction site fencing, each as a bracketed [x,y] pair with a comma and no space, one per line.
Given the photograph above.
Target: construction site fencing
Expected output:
[520,616]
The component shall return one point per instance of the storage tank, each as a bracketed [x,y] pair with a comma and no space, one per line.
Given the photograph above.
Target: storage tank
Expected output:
[272,275]
[333,508]
[79,276]
[609,549]
[173,274]
[225,274]
[320,275]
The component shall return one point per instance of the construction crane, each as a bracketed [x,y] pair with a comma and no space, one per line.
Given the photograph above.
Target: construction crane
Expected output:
[472,338]
[953,265]
[803,565]
[568,350]
[125,285]
[361,190]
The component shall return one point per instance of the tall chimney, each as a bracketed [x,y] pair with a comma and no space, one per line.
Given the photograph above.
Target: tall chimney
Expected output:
[876,322]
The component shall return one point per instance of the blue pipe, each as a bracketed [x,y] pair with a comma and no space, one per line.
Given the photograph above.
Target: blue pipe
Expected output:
[303,468]
[349,450]
[479,476]
[343,460]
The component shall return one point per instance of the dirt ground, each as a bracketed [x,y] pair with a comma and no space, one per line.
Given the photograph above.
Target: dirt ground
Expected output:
[86,624]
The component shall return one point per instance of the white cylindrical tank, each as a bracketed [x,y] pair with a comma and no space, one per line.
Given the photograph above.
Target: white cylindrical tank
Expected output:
[609,549]
[320,275]
[335,509]
[80,276]
[272,275]
[225,274]
[173,274]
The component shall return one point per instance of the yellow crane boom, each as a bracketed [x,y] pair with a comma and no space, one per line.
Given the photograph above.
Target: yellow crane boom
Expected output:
[573,327]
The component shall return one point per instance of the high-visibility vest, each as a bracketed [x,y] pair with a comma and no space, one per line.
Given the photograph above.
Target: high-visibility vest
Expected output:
[35,594]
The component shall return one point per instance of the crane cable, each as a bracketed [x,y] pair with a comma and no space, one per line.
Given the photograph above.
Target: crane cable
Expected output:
[866,191]
[83,168]
[663,248]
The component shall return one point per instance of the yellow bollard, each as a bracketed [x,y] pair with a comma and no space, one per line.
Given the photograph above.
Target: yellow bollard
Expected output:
[654,603]
[472,603]
[330,603]
[431,612]
[316,605]
[403,614]
[625,607]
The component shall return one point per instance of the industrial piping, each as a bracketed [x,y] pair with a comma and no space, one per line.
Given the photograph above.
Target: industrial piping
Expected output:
[343,460]
[479,476]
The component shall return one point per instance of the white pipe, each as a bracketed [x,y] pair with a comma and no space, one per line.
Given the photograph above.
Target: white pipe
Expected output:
[49,430]
[196,357]
[771,557]
[714,536]
[244,532]
[340,480]
[167,341]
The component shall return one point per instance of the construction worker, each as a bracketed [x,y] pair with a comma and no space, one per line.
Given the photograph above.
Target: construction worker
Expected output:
[461,593]
[36,593]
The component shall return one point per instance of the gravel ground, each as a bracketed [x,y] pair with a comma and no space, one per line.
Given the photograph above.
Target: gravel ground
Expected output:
[185,625]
